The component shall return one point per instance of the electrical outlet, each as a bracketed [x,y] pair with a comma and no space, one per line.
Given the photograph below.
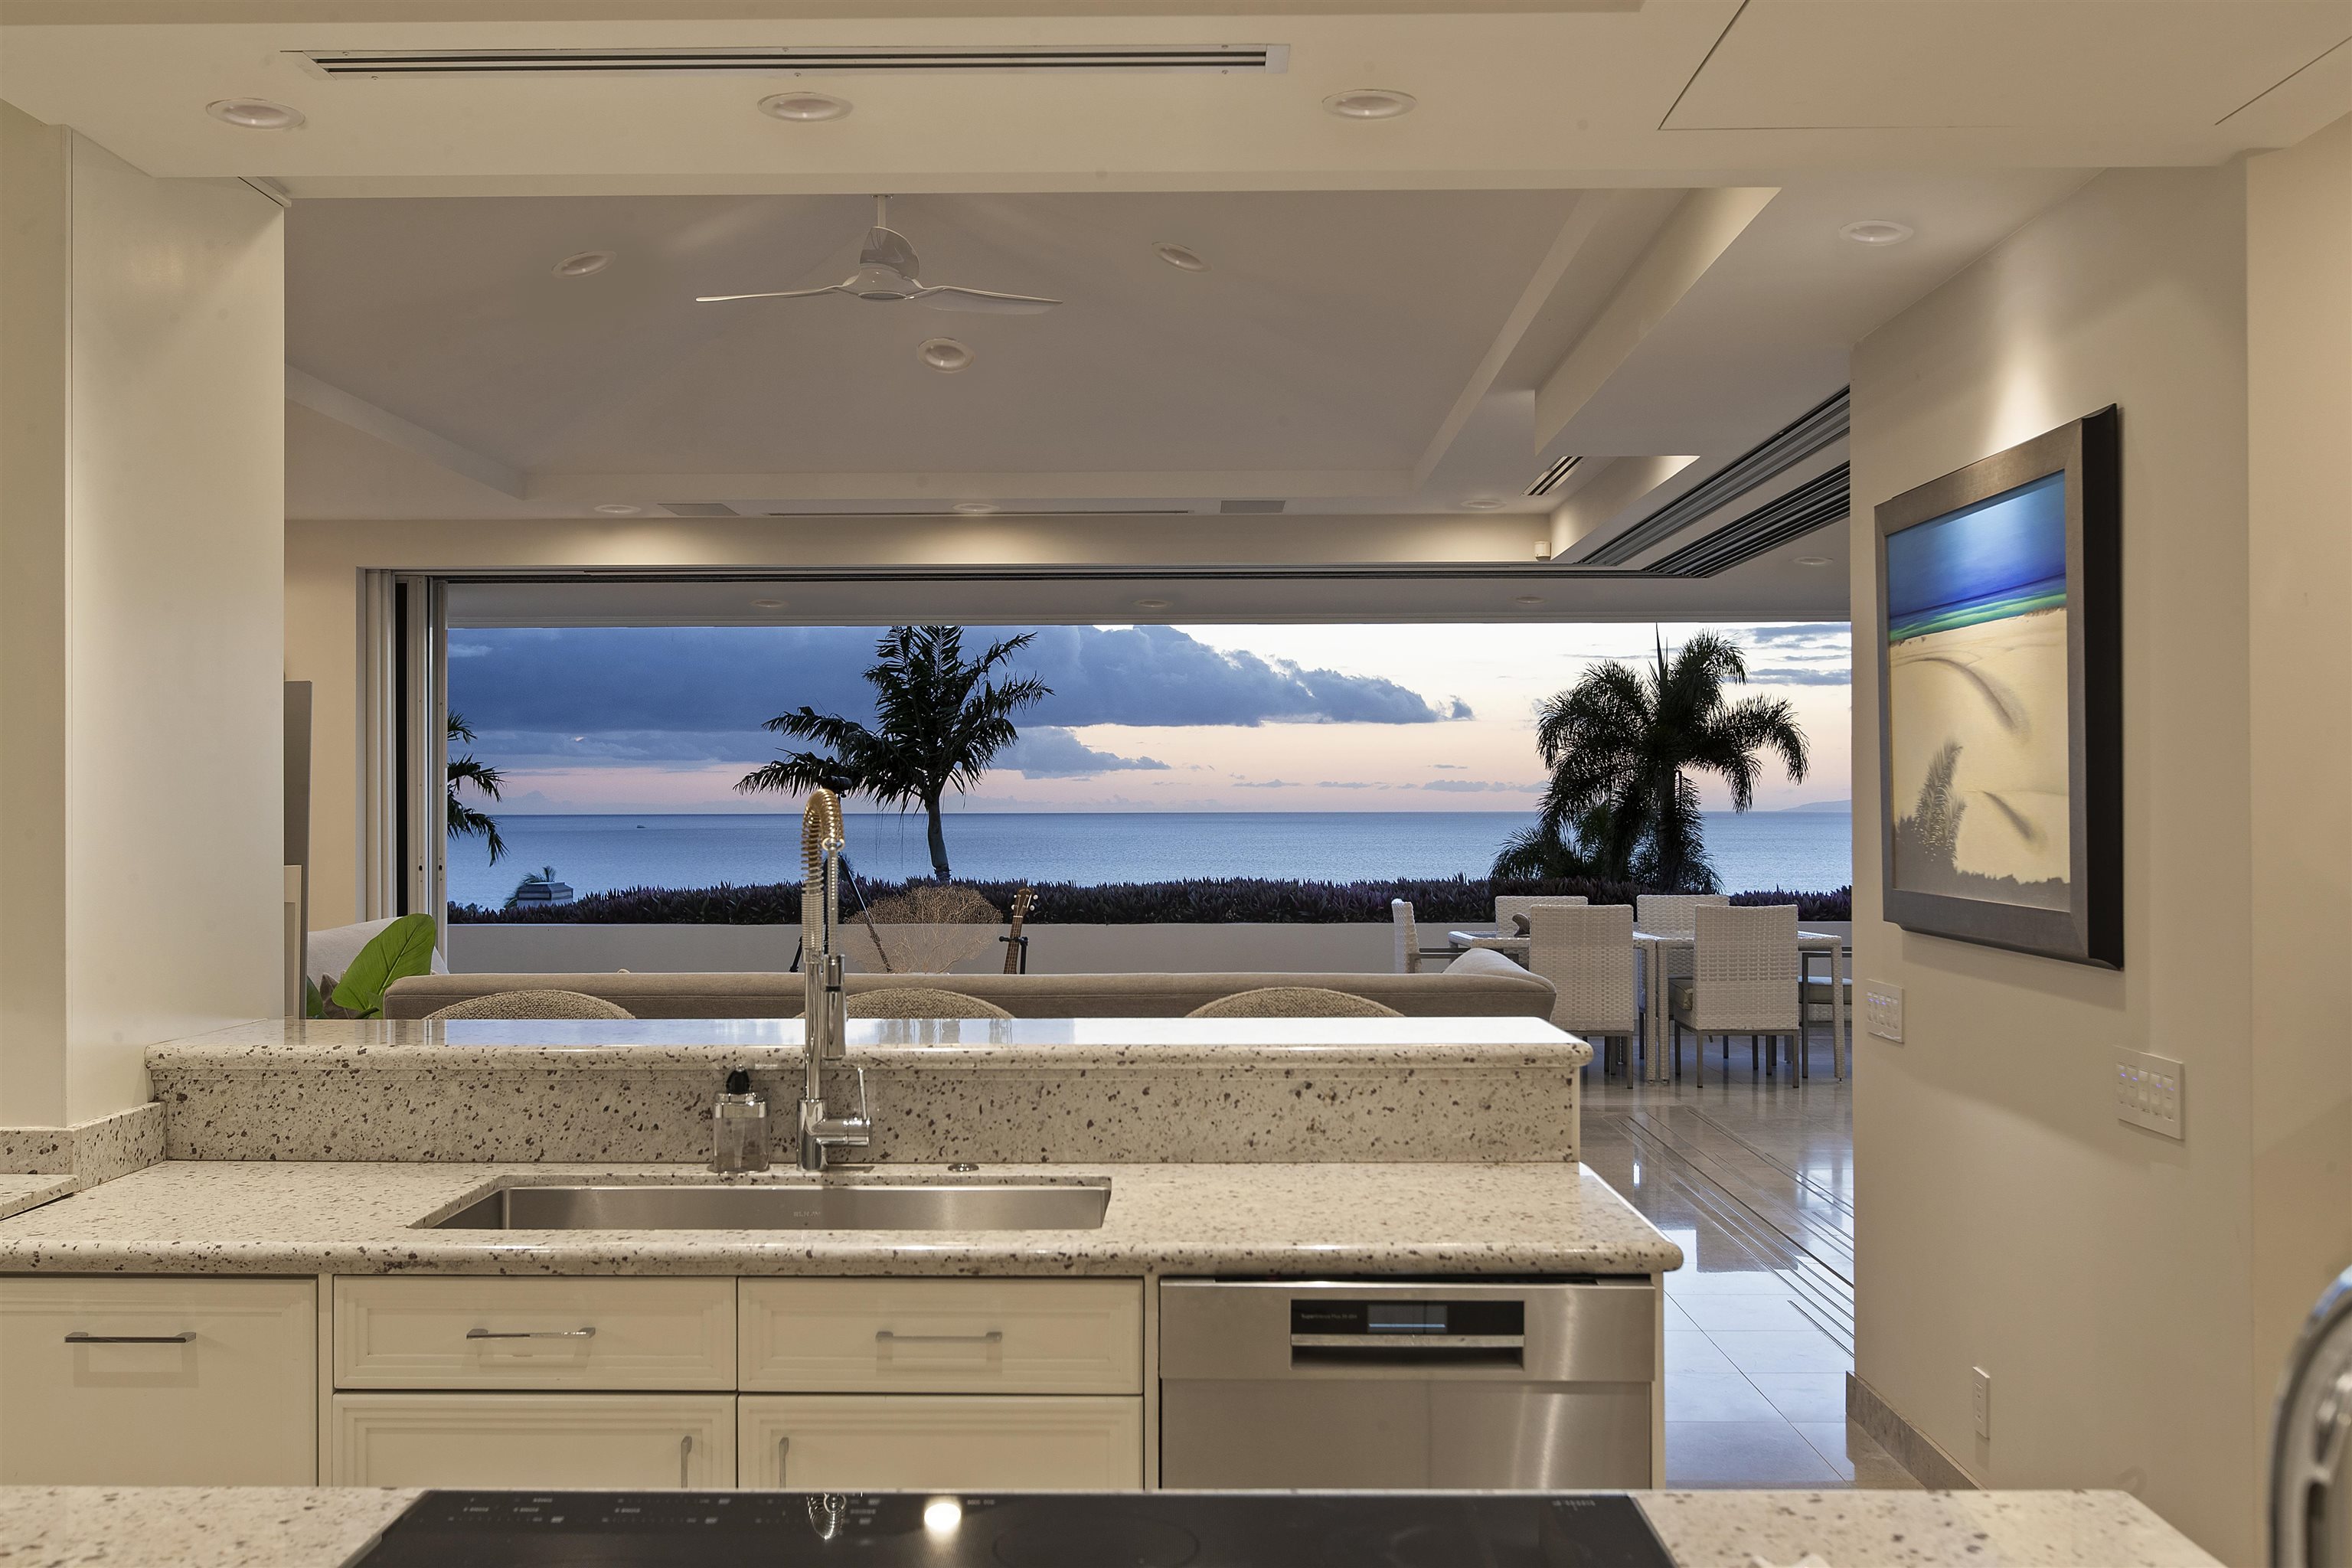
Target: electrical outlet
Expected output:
[1980,1400]
[2149,1091]
[1881,1010]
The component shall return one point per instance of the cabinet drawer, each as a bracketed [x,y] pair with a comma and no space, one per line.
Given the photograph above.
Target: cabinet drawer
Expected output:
[624,1442]
[418,1333]
[952,1442]
[942,1336]
[219,1385]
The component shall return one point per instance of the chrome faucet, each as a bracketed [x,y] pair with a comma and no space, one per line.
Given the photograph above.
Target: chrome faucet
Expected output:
[824,1017]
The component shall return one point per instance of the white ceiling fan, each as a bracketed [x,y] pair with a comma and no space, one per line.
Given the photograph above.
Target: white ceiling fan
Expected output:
[887,268]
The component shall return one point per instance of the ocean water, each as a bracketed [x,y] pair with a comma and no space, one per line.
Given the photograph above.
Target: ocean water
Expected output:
[1803,850]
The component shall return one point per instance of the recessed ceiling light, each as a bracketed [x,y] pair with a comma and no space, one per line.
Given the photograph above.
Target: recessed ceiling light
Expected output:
[1371,103]
[1182,257]
[1878,231]
[943,354]
[974,508]
[767,603]
[619,509]
[255,113]
[1527,601]
[1484,504]
[805,106]
[1150,604]
[1813,559]
[587,263]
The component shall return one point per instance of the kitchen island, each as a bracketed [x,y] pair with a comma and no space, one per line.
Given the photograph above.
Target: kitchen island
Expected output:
[261,1527]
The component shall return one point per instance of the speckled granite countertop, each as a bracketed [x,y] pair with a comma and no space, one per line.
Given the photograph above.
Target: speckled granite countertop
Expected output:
[1015,1045]
[238,1217]
[18,1193]
[262,1526]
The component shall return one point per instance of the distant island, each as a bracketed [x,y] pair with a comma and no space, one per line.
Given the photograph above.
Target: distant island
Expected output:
[1846,806]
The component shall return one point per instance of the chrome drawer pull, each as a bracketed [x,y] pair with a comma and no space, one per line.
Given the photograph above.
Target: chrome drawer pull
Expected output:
[588,1333]
[183,1338]
[889,1336]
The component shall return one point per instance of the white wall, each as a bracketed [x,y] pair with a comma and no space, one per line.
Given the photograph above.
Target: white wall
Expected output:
[2105,1275]
[145,605]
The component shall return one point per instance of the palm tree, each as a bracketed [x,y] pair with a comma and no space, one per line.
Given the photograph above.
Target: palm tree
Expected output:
[465,821]
[1621,744]
[939,722]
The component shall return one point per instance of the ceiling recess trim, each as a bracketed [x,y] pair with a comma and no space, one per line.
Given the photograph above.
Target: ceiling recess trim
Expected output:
[1819,426]
[1221,58]
[1817,504]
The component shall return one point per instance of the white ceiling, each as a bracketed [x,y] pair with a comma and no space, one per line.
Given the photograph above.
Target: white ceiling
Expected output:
[1609,229]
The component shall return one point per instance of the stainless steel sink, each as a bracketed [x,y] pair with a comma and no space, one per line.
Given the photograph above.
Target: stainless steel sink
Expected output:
[1074,1205]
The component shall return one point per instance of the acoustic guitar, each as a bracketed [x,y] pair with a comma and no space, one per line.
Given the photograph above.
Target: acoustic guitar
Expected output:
[1016,946]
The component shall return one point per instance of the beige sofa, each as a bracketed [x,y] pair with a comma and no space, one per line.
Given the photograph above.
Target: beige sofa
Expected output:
[1477,985]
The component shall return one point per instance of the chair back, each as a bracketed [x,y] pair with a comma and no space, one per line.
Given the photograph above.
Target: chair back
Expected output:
[1520,903]
[1672,911]
[1745,971]
[1408,936]
[1586,953]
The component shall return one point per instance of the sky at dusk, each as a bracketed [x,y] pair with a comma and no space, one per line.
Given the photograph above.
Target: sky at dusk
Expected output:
[1218,718]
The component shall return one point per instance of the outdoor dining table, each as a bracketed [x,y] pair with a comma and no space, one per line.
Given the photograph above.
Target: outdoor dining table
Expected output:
[1655,945]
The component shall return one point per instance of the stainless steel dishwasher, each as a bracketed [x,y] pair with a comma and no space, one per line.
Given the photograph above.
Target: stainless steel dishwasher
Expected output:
[1343,1384]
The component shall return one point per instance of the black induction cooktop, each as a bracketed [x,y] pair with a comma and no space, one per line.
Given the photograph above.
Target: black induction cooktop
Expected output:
[1016,1529]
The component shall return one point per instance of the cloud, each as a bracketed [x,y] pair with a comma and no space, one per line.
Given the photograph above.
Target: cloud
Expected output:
[1457,767]
[1818,653]
[639,694]
[1048,753]
[1459,709]
[1476,786]
[1267,784]
[1801,677]
[1352,784]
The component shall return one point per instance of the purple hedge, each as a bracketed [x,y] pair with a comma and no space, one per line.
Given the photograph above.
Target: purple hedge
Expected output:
[1214,900]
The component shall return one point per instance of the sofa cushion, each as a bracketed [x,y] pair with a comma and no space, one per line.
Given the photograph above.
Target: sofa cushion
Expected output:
[531,1005]
[1293,1002]
[1491,987]
[919,1002]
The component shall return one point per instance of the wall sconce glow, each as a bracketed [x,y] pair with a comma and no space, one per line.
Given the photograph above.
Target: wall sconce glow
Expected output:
[974,508]
[1150,604]
[1484,503]
[767,603]
[1528,601]
[254,114]
[1878,231]
[806,107]
[586,264]
[619,509]
[942,1515]
[1371,103]
[1182,257]
[1813,559]
[944,354]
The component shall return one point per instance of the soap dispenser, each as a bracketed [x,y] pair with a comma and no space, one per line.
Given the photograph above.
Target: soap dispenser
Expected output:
[739,1127]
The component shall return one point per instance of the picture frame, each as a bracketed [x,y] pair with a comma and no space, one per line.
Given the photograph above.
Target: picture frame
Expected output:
[2001,699]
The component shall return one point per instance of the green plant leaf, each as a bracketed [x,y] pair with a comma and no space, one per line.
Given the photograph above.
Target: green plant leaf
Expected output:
[400,949]
[314,1004]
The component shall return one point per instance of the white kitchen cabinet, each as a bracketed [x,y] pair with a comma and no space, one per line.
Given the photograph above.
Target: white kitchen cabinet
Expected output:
[872,1442]
[162,1381]
[415,1332]
[625,1442]
[941,1336]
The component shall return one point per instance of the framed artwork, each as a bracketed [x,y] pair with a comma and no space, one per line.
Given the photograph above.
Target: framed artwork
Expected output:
[2001,699]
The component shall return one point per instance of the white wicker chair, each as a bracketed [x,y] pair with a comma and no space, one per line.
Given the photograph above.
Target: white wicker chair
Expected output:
[1520,903]
[1409,951]
[1586,953]
[1670,912]
[1743,982]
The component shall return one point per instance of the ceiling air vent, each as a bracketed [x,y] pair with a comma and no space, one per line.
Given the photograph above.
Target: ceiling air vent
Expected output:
[1549,481]
[1816,503]
[1213,57]
[699,509]
[1818,428]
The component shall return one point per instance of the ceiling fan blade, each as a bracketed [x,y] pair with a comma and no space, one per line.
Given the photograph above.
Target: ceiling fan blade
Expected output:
[778,294]
[947,297]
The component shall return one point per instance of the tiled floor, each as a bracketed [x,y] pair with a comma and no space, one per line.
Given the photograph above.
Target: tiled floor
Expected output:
[1754,1177]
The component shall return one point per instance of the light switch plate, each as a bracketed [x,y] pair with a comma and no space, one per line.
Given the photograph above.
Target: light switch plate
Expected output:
[1881,1010]
[2149,1091]
[1980,1400]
